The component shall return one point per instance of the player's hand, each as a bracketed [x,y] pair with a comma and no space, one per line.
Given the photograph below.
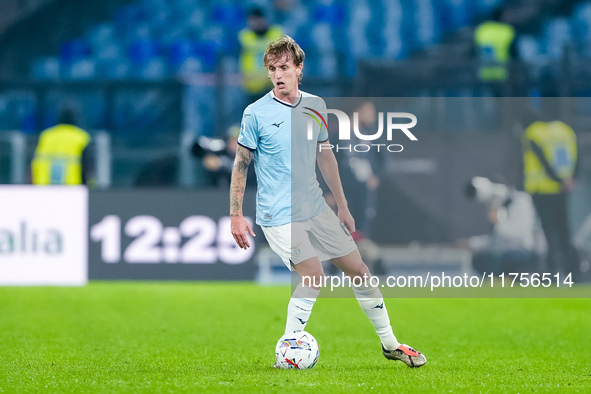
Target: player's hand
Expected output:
[240,227]
[347,219]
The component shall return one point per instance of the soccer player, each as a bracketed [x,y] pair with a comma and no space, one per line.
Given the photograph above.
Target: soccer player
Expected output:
[309,231]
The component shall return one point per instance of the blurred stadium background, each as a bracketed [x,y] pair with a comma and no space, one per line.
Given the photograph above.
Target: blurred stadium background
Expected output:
[149,77]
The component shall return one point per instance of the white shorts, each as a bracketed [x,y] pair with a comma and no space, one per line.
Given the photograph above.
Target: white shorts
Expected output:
[323,236]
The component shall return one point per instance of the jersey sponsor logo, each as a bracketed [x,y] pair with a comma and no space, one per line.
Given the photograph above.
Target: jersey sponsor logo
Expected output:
[278,124]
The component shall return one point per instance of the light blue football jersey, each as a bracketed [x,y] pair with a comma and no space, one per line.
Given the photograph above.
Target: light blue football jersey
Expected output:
[284,157]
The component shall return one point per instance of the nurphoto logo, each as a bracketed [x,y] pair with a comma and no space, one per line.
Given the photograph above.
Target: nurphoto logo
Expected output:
[345,130]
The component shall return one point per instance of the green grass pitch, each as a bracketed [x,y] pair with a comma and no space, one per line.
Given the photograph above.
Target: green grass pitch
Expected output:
[220,337]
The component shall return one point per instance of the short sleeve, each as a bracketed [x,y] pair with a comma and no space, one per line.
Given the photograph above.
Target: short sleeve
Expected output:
[249,135]
[323,135]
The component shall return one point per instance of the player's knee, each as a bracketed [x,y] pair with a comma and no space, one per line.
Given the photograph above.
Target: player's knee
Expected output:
[358,271]
[315,281]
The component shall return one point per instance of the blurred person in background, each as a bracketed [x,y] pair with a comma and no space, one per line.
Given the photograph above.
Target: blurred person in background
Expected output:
[359,170]
[360,183]
[494,40]
[550,164]
[62,156]
[218,156]
[513,242]
[254,39]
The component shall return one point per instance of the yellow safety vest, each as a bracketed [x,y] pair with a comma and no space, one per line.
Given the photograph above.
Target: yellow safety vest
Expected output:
[494,40]
[558,142]
[58,156]
[254,74]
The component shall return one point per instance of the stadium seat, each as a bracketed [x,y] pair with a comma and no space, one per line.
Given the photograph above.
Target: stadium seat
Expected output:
[74,50]
[229,16]
[206,52]
[322,35]
[46,68]
[179,51]
[456,14]
[330,12]
[80,69]
[360,17]
[189,67]
[581,28]
[426,22]
[142,51]
[126,18]
[154,69]
[557,34]
[528,48]
[28,122]
[100,36]
[110,51]
[119,68]
[486,6]
[395,43]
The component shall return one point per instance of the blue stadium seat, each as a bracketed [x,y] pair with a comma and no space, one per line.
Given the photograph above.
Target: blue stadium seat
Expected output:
[120,68]
[190,67]
[486,6]
[74,50]
[557,34]
[28,123]
[100,36]
[229,16]
[359,19]
[126,18]
[457,13]
[321,34]
[427,26]
[395,35]
[109,51]
[183,50]
[206,52]
[179,51]
[331,12]
[46,68]
[81,69]
[581,28]
[220,37]
[154,69]
[142,51]
[528,48]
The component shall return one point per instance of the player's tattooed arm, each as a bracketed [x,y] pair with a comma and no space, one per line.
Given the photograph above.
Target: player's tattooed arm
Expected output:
[239,225]
[238,182]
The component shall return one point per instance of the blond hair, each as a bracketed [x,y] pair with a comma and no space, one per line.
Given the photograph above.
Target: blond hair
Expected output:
[285,46]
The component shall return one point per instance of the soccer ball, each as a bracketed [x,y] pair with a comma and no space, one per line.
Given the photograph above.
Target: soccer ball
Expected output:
[296,349]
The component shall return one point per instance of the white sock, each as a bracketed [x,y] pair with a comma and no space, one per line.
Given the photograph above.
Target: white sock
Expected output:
[371,301]
[300,307]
